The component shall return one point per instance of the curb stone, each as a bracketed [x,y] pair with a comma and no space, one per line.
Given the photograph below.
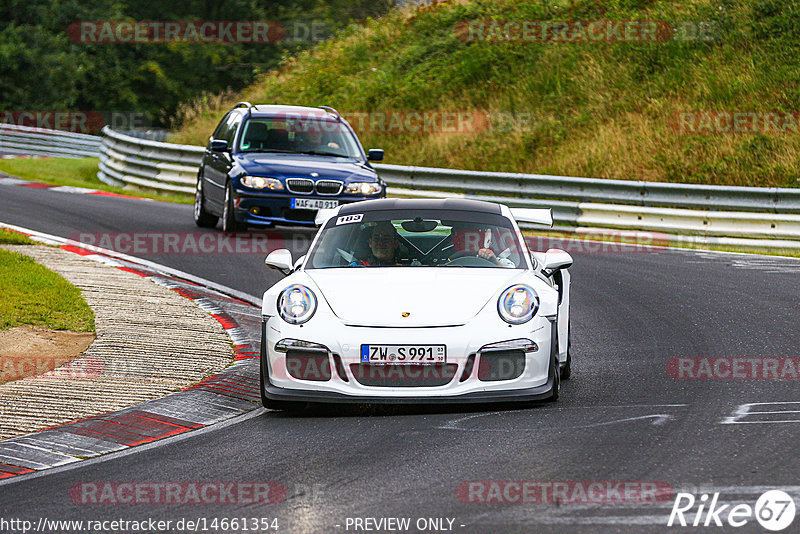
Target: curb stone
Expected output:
[229,393]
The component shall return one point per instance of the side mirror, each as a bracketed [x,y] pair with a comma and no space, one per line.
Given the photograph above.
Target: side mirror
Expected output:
[555,259]
[219,145]
[280,259]
[375,154]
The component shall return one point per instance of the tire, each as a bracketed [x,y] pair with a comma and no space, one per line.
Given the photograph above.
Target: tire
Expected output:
[555,371]
[284,406]
[269,404]
[566,371]
[229,222]
[202,218]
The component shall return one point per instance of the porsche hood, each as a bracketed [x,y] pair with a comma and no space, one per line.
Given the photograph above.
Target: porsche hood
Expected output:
[416,297]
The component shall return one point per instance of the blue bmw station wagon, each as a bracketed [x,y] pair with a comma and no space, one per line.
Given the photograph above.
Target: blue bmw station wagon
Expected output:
[267,165]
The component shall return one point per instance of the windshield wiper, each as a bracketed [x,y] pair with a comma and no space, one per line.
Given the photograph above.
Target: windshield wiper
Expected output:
[321,153]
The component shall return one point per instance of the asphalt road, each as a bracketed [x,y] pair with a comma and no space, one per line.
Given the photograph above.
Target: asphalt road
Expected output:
[622,417]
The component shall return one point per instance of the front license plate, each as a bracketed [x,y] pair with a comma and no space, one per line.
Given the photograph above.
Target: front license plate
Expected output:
[394,354]
[314,203]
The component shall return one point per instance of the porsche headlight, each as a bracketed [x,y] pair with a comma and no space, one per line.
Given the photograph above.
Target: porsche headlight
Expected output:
[259,182]
[297,304]
[518,304]
[364,188]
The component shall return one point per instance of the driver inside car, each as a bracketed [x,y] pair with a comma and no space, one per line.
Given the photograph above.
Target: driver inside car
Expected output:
[315,141]
[383,244]
[473,240]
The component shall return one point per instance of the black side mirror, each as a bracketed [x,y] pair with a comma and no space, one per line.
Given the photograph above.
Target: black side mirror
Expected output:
[375,154]
[219,145]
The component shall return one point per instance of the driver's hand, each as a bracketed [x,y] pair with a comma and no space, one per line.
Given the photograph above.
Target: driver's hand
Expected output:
[487,254]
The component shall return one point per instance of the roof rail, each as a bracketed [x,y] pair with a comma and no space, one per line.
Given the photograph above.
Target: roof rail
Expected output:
[242,105]
[331,110]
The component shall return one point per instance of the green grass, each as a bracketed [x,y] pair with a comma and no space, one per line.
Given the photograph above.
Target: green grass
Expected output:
[596,109]
[31,294]
[78,172]
[7,237]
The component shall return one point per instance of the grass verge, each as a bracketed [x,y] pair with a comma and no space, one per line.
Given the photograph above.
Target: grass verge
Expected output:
[9,237]
[629,109]
[31,294]
[75,172]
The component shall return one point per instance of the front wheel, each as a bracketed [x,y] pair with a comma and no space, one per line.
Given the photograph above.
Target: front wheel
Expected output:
[555,372]
[566,370]
[284,406]
[229,222]
[269,404]
[202,218]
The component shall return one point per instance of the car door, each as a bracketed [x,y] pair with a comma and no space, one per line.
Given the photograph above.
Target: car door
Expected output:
[217,164]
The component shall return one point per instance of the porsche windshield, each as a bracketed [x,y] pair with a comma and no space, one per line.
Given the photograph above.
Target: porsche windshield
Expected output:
[418,239]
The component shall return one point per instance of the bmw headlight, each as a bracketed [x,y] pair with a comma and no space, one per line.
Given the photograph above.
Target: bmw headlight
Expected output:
[364,188]
[518,304]
[259,182]
[297,304]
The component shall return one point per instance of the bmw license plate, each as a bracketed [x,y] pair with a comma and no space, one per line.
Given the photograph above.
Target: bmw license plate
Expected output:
[314,203]
[394,354]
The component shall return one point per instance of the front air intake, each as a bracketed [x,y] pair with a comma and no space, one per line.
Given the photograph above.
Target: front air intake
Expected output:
[500,365]
[306,365]
[406,375]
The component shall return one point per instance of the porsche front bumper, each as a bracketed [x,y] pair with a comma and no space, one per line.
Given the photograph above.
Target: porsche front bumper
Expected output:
[466,352]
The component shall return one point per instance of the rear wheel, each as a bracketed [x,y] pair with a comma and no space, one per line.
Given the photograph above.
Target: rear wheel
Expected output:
[202,218]
[229,222]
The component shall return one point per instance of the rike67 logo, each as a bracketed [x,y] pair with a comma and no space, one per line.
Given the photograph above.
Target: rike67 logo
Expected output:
[774,510]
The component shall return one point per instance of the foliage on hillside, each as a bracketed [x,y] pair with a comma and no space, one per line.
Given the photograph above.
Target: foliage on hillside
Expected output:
[600,109]
[44,67]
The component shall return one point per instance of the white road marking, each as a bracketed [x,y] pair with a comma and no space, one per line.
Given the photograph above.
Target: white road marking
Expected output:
[453,424]
[660,419]
[745,410]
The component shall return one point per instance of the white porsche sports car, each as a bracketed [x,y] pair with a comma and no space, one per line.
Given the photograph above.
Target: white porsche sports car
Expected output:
[403,300]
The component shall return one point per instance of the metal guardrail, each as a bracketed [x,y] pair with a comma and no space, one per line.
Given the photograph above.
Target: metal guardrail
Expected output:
[754,212]
[25,140]
[165,167]
[566,188]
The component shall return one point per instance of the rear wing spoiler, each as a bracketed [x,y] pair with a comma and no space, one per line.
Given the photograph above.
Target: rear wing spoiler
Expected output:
[529,215]
[533,215]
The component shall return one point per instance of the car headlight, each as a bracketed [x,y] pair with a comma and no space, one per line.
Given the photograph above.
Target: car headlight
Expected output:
[518,304]
[364,188]
[259,182]
[297,304]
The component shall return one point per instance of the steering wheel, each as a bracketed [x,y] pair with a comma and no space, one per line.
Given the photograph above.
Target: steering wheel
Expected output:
[471,261]
[351,260]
